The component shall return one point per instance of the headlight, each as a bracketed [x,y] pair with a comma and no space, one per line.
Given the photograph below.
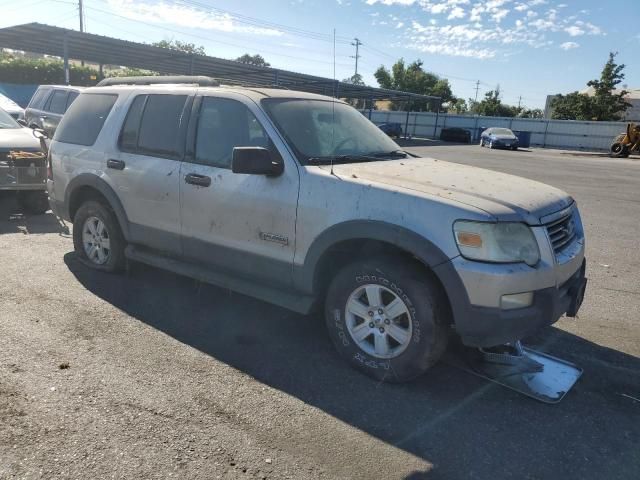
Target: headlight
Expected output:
[505,242]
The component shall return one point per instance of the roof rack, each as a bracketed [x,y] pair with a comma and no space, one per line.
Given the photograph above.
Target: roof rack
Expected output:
[158,80]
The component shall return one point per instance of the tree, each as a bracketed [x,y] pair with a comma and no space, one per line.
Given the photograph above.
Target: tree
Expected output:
[415,79]
[256,60]
[180,46]
[355,79]
[606,104]
[491,105]
[530,113]
[457,105]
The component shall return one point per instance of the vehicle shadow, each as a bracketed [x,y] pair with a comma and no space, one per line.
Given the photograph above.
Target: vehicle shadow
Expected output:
[464,426]
[14,220]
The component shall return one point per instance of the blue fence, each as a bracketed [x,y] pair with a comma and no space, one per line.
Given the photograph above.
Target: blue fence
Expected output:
[21,94]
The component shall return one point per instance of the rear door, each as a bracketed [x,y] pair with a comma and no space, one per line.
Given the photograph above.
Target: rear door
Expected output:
[34,110]
[146,168]
[240,224]
[53,110]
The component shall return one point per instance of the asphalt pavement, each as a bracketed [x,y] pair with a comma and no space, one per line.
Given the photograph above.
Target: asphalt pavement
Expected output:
[154,375]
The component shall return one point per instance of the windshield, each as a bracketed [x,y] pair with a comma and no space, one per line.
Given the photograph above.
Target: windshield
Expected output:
[501,131]
[322,129]
[6,121]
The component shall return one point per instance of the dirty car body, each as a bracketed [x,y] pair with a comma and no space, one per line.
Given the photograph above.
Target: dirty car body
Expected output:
[499,138]
[504,256]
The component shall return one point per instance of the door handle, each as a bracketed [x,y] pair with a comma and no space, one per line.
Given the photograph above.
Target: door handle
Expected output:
[115,164]
[199,180]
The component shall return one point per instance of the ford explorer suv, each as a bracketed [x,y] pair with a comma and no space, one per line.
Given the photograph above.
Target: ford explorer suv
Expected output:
[299,200]
[48,105]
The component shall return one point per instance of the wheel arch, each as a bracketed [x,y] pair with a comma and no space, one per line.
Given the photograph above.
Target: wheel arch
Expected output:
[86,186]
[353,239]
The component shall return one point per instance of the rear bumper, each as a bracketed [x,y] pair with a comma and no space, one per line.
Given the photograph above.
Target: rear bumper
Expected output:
[489,326]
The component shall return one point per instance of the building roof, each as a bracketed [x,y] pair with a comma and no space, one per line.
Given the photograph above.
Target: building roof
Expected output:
[632,93]
[49,40]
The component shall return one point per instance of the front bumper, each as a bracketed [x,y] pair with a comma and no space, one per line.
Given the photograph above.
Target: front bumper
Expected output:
[490,326]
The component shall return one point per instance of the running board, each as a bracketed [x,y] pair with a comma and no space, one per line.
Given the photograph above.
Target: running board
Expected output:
[527,371]
[297,302]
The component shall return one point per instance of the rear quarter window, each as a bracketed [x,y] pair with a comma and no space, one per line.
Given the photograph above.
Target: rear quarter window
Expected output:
[83,121]
[39,98]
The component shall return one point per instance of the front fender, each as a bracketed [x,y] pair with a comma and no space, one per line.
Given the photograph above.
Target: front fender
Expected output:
[411,242]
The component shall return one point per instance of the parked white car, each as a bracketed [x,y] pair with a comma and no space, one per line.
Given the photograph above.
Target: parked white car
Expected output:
[11,107]
[299,200]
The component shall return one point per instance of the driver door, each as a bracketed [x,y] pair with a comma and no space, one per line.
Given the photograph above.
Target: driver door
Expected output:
[236,223]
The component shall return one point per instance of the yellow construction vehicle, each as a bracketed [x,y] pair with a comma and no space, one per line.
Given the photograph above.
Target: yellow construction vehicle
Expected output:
[626,143]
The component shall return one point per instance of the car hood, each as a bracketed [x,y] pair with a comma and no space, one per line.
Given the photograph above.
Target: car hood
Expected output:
[504,197]
[14,138]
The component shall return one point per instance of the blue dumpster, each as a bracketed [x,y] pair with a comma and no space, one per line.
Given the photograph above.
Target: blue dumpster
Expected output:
[524,138]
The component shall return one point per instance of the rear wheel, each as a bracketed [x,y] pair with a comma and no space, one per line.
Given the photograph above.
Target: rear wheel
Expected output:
[482,142]
[97,238]
[490,144]
[33,201]
[387,318]
[619,150]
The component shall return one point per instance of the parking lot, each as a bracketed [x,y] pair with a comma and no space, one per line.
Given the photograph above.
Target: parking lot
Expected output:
[153,375]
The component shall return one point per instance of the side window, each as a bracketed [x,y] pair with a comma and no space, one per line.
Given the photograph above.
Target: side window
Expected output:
[39,98]
[129,135]
[222,125]
[159,132]
[58,102]
[72,96]
[83,122]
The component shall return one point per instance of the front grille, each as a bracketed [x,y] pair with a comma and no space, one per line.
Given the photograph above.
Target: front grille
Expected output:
[562,232]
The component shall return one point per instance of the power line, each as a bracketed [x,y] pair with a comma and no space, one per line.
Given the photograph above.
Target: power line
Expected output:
[208,39]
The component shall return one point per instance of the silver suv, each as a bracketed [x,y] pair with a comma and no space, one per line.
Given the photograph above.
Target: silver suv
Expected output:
[299,200]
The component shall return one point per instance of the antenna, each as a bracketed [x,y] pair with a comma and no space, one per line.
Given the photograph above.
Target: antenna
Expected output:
[333,103]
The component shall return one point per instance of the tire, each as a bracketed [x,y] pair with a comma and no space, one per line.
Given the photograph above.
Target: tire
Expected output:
[514,148]
[619,150]
[424,318]
[92,213]
[33,201]
[491,144]
[482,142]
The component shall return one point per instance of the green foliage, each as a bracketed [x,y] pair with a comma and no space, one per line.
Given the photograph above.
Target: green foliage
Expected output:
[607,103]
[457,105]
[355,79]
[491,106]
[179,46]
[130,72]
[530,113]
[415,79]
[256,60]
[22,70]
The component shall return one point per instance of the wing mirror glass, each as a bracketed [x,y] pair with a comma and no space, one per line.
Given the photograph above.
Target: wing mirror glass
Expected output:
[22,122]
[255,161]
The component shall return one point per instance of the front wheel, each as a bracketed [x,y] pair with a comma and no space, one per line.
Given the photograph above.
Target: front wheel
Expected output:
[387,318]
[482,142]
[97,238]
[491,144]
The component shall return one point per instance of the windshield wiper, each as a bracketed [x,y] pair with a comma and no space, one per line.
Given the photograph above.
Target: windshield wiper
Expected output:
[328,159]
[392,154]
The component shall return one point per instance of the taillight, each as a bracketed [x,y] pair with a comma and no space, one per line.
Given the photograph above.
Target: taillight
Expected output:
[49,169]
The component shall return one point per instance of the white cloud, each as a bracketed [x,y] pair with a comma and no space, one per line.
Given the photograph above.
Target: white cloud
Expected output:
[521,7]
[391,2]
[183,16]
[574,31]
[400,25]
[499,15]
[569,45]
[456,12]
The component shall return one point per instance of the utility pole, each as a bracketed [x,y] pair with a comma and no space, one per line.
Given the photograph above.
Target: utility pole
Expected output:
[519,100]
[356,43]
[477,88]
[81,11]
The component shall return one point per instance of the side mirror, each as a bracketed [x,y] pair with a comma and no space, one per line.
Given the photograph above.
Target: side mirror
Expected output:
[255,161]
[22,122]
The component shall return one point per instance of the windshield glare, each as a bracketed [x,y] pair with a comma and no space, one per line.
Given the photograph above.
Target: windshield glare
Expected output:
[6,121]
[501,131]
[325,129]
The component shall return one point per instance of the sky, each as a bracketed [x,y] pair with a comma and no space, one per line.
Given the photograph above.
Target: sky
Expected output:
[531,48]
